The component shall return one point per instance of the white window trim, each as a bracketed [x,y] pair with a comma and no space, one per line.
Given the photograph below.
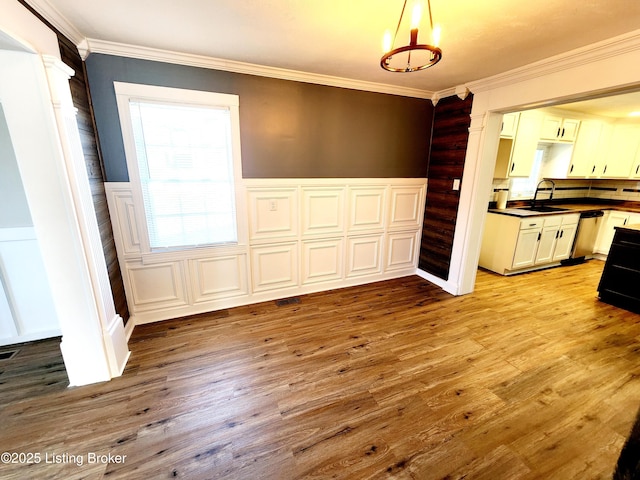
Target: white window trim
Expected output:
[132,91]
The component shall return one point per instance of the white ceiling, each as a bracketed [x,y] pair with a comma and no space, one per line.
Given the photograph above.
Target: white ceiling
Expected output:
[342,38]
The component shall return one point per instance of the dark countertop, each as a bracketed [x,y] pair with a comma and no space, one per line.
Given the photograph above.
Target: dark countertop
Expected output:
[569,207]
[635,228]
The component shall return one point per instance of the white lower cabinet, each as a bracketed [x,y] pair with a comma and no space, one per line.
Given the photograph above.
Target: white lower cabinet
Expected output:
[511,244]
[526,247]
[564,242]
[613,219]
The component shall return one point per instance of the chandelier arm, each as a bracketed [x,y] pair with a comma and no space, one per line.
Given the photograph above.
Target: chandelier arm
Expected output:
[430,16]
[395,35]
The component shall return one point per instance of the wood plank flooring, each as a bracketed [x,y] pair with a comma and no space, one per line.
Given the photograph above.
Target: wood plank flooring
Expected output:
[529,377]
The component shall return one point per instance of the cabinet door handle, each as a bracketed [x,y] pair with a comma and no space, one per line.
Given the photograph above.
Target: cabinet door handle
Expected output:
[558,134]
[539,236]
[637,169]
[512,166]
[561,233]
[625,221]
[605,169]
[571,171]
[593,169]
[563,133]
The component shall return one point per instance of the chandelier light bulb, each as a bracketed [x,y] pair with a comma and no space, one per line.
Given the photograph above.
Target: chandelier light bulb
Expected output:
[435,36]
[386,42]
[416,15]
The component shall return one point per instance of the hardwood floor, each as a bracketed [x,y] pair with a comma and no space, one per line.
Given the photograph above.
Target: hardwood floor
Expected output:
[529,377]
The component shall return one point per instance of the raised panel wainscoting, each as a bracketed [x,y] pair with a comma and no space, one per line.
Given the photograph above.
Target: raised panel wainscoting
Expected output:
[304,235]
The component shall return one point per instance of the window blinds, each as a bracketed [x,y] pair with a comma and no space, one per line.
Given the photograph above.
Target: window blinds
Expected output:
[185,162]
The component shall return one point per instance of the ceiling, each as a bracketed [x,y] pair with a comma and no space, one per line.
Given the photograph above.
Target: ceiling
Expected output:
[342,38]
[613,106]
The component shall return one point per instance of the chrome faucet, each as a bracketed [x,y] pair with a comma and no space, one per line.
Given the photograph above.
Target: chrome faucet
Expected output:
[535,195]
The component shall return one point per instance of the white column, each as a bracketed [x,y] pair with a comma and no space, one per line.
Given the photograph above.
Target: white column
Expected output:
[56,185]
[110,323]
[474,194]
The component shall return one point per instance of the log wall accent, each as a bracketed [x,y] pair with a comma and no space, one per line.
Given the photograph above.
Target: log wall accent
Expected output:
[446,163]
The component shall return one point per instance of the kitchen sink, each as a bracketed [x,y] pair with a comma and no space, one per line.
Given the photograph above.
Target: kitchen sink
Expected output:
[544,208]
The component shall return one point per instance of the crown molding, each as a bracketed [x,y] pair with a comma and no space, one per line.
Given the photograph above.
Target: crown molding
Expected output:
[586,55]
[86,46]
[90,45]
[581,56]
[53,16]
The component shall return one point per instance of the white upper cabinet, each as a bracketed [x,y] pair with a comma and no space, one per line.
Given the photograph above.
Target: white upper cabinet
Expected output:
[635,169]
[558,129]
[509,125]
[516,156]
[621,152]
[586,149]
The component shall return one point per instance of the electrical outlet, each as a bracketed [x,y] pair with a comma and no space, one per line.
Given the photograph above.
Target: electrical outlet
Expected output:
[456,184]
[273,205]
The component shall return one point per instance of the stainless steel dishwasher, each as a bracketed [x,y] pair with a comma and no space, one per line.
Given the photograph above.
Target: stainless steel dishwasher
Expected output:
[585,241]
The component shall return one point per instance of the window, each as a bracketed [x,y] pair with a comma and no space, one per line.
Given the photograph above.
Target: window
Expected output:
[182,151]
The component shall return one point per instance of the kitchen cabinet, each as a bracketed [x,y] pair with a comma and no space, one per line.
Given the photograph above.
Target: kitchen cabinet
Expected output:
[621,274]
[509,125]
[613,219]
[558,129]
[516,155]
[635,169]
[586,149]
[526,245]
[556,238]
[621,152]
[512,244]
[547,239]
[564,242]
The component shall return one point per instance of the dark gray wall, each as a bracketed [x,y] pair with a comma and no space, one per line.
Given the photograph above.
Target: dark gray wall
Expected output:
[288,129]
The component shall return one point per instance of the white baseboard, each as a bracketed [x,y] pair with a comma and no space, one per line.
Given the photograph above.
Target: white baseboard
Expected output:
[443,284]
[116,346]
[30,337]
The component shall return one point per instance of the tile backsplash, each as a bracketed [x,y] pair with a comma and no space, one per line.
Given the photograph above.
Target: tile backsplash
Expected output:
[627,190]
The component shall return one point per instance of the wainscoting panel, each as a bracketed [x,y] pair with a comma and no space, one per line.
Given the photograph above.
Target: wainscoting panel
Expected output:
[155,286]
[323,211]
[321,260]
[274,266]
[305,235]
[364,255]
[120,202]
[273,213]
[27,311]
[218,277]
[407,204]
[366,208]
[402,250]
